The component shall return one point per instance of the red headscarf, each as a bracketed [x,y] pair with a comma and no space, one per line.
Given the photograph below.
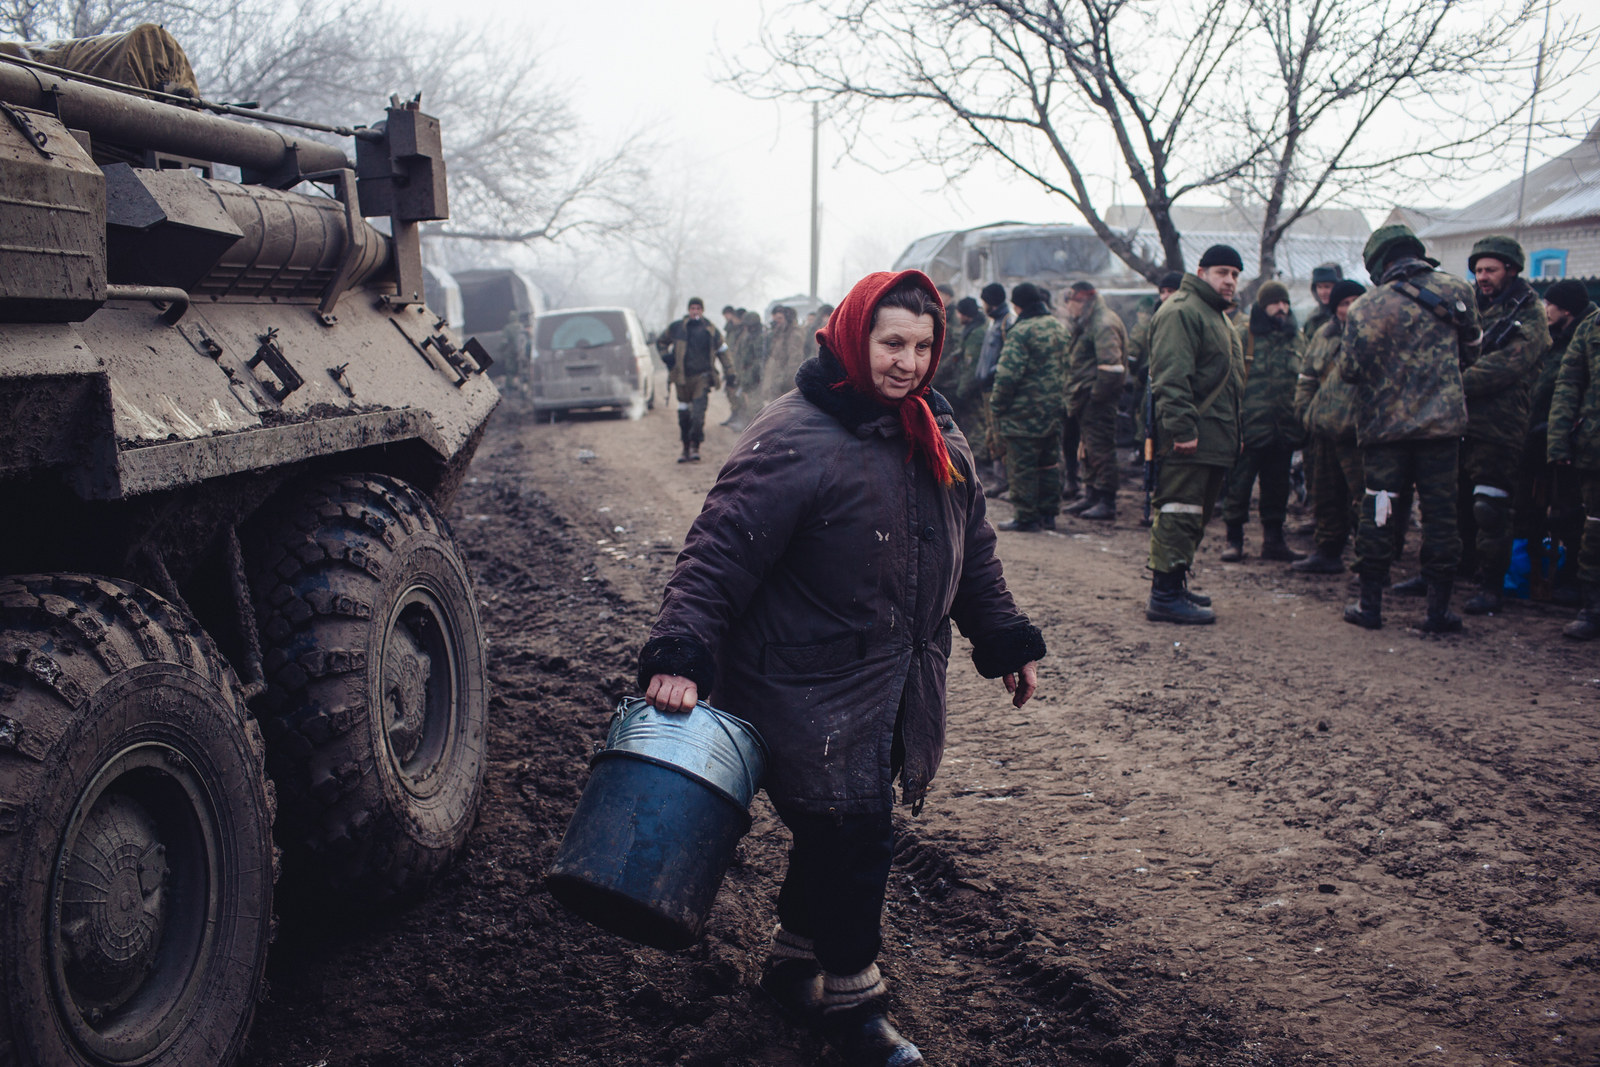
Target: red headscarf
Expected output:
[847,334]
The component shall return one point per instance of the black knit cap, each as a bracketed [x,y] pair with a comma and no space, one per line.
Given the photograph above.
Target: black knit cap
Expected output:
[994,294]
[1344,289]
[1222,256]
[1025,294]
[1569,295]
[968,307]
[1083,287]
[1172,280]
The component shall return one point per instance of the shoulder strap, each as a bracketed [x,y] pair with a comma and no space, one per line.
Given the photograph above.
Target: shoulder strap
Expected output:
[1205,405]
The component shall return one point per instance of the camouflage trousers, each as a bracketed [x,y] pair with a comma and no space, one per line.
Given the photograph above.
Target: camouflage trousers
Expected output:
[1336,486]
[1388,471]
[1032,469]
[1589,552]
[1270,465]
[693,392]
[994,445]
[1488,475]
[1186,494]
[1098,426]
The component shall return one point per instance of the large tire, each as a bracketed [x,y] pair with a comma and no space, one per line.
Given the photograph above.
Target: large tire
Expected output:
[376,708]
[136,855]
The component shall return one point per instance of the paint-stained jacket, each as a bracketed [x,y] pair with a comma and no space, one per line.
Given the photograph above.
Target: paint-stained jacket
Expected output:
[1026,399]
[1498,382]
[1324,402]
[815,592]
[1195,354]
[1271,365]
[1097,359]
[1574,433]
[1404,361]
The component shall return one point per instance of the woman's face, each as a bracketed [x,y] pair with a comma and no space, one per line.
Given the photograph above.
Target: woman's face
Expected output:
[899,350]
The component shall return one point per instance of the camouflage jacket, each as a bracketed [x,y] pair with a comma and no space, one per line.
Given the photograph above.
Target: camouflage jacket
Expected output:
[1195,355]
[1574,433]
[1097,359]
[1497,383]
[1544,381]
[1271,365]
[1404,361]
[968,389]
[1026,399]
[954,366]
[1315,321]
[1323,401]
[784,356]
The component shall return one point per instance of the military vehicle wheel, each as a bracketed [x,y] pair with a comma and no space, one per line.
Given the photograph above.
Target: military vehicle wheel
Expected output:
[135,832]
[376,707]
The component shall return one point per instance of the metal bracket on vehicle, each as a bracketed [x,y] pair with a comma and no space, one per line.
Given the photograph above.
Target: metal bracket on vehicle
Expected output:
[288,379]
[344,190]
[337,374]
[36,137]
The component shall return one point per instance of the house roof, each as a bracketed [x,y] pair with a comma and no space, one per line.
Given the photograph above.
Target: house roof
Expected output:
[1565,189]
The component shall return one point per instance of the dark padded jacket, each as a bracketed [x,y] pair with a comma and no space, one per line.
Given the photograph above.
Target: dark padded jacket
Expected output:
[814,595]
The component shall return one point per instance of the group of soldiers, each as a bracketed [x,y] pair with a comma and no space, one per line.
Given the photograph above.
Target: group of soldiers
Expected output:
[1479,402]
[758,362]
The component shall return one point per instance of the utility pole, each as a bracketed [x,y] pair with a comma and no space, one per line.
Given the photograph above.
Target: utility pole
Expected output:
[816,220]
[1533,102]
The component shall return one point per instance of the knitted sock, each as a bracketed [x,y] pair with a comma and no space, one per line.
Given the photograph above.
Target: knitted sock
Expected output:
[846,991]
[787,945]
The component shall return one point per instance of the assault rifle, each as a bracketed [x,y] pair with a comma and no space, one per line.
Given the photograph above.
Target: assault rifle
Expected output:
[1501,332]
[1149,447]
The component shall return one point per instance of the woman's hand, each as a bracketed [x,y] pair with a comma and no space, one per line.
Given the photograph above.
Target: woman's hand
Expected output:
[1020,692]
[670,693]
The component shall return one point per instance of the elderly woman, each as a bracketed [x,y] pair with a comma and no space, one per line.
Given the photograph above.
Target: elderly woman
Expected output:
[813,598]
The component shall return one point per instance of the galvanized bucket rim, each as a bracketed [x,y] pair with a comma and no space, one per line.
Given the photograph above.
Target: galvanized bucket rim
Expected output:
[630,705]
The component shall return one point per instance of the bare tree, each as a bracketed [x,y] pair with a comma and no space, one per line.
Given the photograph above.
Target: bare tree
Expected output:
[1023,79]
[521,166]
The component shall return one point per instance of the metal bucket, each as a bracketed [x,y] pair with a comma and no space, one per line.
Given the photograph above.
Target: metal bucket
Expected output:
[666,803]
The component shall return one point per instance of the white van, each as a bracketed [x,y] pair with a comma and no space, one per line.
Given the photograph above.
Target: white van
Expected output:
[591,358]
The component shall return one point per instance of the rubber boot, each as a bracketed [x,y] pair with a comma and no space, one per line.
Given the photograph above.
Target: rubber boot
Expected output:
[1417,586]
[1441,620]
[1586,627]
[1083,503]
[1168,603]
[1319,563]
[1235,541]
[864,1035]
[1104,508]
[1199,600]
[1368,613]
[1274,547]
[796,987]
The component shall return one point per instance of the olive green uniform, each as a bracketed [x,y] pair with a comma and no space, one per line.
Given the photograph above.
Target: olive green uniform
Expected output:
[1323,401]
[1026,402]
[1574,432]
[1409,410]
[1197,379]
[1097,366]
[1268,428]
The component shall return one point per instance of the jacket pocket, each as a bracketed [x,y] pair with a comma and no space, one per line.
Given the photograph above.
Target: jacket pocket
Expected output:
[818,657]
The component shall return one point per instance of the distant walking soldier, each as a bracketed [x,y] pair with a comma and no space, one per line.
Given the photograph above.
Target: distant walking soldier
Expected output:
[1324,403]
[696,346]
[1197,379]
[1097,365]
[1404,344]
[1323,279]
[1026,402]
[785,352]
[1575,441]
[748,358]
[1549,503]
[1497,385]
[1269,429]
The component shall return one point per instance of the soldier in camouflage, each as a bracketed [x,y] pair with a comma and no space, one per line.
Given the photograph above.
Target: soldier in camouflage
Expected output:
[1404,343]
[1196,379]
[1026,401]
[1497,384]
[1270,432]
[748,357]
[1000,322]
[1139,354]
[1548,502]
[1323,402]
[785,352]
[959,383]
[1323,279]
[1096,368]
[1574,441]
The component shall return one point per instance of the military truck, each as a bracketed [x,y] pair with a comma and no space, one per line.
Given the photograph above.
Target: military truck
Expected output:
[229,431]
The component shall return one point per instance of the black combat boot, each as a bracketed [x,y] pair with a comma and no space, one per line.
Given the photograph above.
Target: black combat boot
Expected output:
[1319,562]
[1199,600]
[1015,526]
[1088,500]
[685,457]
[1441,620]
[1586,627]
[864,1035]
[1417,586]
[1104,508]
[1169,604]
[1491,591]
[1274,547]
[1235,541]
[1369,612]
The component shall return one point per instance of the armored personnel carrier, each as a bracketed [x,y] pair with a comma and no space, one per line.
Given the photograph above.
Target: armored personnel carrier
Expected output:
[229,431]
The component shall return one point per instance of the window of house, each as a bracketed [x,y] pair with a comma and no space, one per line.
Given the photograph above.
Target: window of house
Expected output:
[1548,263]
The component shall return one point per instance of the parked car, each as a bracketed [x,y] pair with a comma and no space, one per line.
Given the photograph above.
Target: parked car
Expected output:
[591,358]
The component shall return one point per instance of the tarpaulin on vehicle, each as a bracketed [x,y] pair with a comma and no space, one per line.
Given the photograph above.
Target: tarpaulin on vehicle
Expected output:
[146,57]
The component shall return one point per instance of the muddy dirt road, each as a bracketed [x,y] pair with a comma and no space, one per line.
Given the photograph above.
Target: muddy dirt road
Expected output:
[1277,840]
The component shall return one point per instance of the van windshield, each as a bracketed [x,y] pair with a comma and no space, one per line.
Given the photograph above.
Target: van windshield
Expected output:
[1061,254]
[579,331]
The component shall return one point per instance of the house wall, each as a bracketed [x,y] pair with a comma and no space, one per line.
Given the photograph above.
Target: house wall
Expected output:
[1580,241]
